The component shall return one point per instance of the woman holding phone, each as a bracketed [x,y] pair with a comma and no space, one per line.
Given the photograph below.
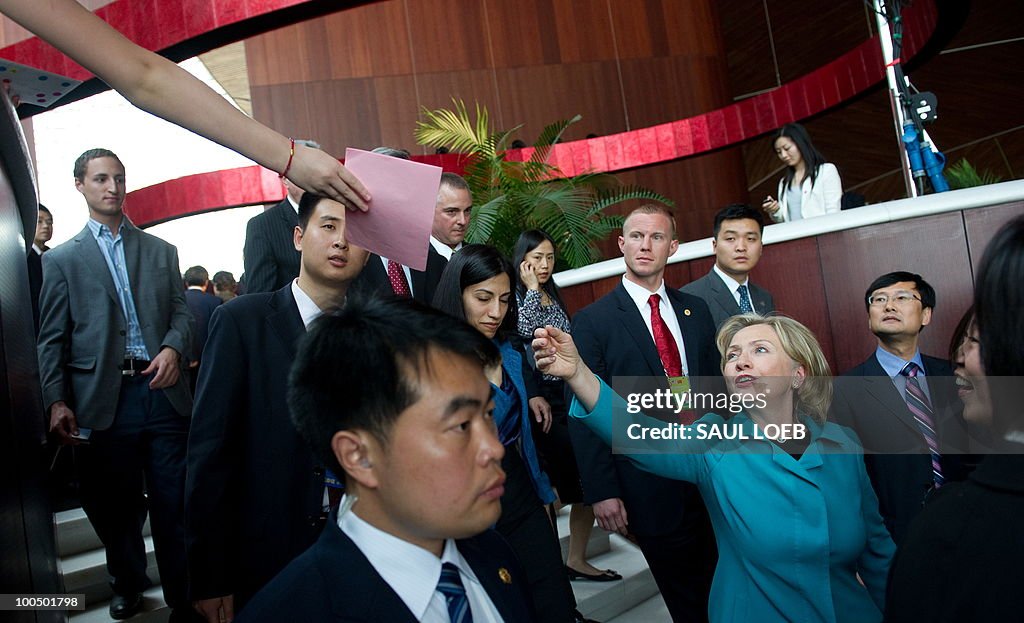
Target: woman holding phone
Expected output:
[811,187]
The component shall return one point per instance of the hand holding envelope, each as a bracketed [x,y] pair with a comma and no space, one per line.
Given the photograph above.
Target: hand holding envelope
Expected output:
[397,224]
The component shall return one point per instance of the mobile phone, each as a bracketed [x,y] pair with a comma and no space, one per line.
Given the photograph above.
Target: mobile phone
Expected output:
[83,434]
[767,199]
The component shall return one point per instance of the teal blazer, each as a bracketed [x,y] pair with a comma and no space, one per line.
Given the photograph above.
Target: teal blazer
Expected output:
[792,534]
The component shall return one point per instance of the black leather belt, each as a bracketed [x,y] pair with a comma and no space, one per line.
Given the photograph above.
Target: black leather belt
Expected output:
[131,367]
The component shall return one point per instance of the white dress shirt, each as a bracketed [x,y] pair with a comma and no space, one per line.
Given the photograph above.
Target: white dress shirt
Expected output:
[307,308]
[733,285]
[293,203]
[445,251]
[413,572]
[640,296]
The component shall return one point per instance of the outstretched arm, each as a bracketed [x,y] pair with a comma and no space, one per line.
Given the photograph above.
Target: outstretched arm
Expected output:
[160,87]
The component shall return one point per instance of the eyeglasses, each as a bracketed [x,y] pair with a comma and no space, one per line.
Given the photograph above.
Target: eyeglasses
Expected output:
[900,298]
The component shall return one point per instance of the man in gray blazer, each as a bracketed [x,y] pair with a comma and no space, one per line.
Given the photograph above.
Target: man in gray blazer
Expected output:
[737,244]
[114,328]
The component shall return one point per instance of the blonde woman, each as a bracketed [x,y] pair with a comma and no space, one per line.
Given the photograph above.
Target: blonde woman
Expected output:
[796,522]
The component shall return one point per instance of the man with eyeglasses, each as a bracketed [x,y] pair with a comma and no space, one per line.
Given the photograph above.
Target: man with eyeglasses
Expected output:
[903,404]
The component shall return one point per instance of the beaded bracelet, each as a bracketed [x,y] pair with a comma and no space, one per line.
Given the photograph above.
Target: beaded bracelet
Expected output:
[291,155]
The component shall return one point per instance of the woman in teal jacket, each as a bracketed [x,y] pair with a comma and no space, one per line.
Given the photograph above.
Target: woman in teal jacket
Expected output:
[796,521]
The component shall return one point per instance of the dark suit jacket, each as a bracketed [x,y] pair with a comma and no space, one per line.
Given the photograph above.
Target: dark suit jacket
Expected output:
[82,331]
[716,294]
[374,278]
[271,260]
[961,558]
[333,581]
[35,282]
[201,304]
[253,490]
[614,341]
[895,452]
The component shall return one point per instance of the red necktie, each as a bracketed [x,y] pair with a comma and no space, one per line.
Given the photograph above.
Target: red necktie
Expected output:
[396,275]
[667,348]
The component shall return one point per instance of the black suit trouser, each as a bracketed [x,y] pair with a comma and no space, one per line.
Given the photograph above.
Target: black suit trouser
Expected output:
[683,564]
[139,462]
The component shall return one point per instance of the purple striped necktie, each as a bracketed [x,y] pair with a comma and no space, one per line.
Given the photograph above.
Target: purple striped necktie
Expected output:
[921,408]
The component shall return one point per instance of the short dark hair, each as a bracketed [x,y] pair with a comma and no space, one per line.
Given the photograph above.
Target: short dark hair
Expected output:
[332,390]
[394,152]
[83,161]
[473,264]
[528,241]
[454,181]
[43,208]
[735,211]
[307,206]
[224,280]
[196,276]
[998,299]
[923,287]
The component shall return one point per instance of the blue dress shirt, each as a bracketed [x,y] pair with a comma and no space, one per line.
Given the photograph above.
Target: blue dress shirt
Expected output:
[112,248]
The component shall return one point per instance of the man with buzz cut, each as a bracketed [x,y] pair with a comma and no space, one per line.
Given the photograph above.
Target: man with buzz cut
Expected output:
[114,329]
[727,288]
[255,495]
[409,423]
[903,404]
[665,339]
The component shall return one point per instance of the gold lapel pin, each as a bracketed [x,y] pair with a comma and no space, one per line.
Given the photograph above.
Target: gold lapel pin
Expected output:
[504,575]
[686,312]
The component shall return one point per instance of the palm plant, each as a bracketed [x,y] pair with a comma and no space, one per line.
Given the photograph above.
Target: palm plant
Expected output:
[510,197]
[964,175]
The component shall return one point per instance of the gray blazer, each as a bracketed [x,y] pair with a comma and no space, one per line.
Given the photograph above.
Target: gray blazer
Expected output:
[82,329]
[720,301]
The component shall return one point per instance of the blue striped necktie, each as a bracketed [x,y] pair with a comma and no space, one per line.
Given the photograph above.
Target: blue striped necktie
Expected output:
[450,585]
[921,408]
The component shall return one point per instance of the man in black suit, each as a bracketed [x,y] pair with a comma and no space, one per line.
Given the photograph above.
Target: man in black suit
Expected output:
[270,259]
[408,422]
[903,405]
[254,493]
[630,333]
[452,214]
[44,231]
[385,276]
[201,304]
[727,288]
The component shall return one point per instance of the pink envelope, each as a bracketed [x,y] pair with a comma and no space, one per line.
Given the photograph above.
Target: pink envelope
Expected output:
[397,225]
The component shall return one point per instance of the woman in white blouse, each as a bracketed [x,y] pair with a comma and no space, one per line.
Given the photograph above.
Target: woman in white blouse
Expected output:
[811,187]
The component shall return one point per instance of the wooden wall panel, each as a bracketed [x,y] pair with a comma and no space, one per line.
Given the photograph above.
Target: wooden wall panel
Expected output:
[934,247]
[351,120]
[397,112]
[436,90]
[522,33]
[981,225]
[535,97]
[284,108]
[448,35]
[792,272]
[370,41]
[584,30]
